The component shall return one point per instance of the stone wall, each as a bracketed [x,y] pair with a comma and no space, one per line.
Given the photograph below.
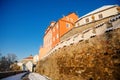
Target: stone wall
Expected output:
[97,58]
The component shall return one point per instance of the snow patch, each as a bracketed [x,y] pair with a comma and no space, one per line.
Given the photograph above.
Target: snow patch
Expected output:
[36,76]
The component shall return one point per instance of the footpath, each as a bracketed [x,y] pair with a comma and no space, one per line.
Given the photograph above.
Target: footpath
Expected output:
[15,77]
[36,76]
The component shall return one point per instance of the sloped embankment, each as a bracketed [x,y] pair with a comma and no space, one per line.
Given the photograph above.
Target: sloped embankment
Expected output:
[95,59]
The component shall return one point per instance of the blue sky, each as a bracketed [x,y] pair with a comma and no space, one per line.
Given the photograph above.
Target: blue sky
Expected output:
[23,22]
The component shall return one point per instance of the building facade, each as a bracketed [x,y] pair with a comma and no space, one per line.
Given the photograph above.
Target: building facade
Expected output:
[26,63]
[70,25]
[102,14]
[48,37]
[47,41]
[55,31]
[98,14]
[62,26]
[35,59]
[55,34]
[42,52]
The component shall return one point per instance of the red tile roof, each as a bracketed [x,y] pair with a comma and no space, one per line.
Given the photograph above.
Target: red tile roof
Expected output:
[30,57]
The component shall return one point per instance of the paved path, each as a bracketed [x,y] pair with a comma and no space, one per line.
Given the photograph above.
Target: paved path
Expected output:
[15,77]
[36,76]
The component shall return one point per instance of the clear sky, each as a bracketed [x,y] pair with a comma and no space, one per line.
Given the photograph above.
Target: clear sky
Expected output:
[23,22]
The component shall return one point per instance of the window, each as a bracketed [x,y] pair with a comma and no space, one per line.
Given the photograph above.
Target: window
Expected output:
[67,18]
[93,17]
[57,26]
[87,20]
[78,24]
[67,25]
[53,29]
[57,36]
[71,19]
[54,39]
[100,16]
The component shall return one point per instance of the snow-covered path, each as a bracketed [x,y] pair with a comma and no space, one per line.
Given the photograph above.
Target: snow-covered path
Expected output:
[36,76]
[15,77]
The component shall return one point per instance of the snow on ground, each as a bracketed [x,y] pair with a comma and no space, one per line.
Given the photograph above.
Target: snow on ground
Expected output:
[15,77]
[36,76]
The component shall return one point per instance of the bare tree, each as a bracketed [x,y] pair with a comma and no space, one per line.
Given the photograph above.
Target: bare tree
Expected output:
[11,58]
[6,61]
[3,64]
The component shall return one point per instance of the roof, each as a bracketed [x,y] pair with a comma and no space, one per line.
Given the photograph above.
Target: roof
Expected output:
[55,22]
[98,10]
[30,57]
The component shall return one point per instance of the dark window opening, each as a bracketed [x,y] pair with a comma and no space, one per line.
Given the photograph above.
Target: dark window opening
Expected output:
[87,20]
[100,16]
